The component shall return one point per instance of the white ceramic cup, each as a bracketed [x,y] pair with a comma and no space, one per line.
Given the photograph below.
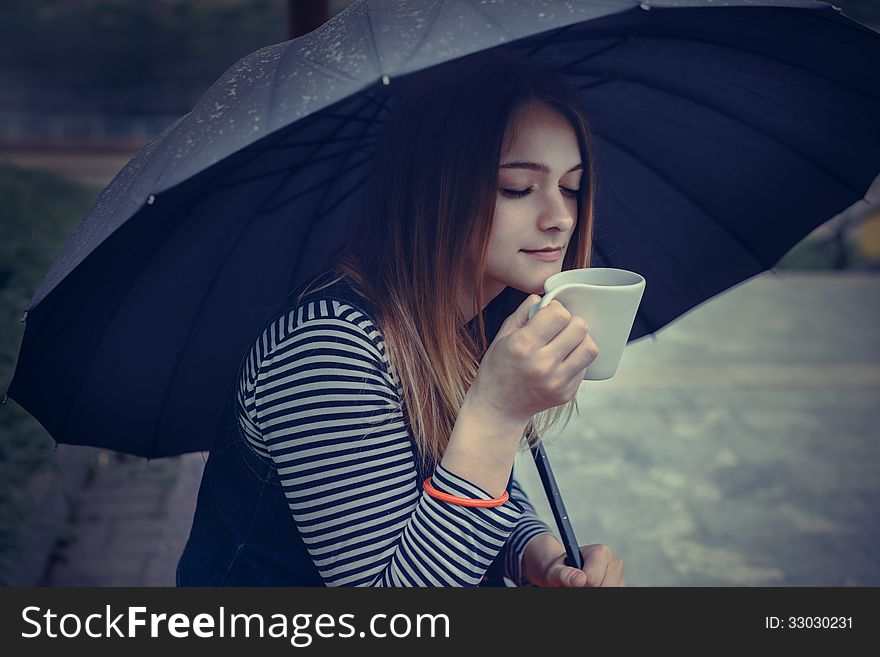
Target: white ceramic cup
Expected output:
[607,299]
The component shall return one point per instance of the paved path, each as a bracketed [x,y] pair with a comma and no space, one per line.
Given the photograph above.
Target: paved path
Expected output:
[737,449]
[131,522]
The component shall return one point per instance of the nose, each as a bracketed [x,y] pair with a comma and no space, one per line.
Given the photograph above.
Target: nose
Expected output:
[559,211]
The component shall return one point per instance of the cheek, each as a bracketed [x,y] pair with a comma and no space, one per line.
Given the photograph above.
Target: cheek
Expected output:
[511,221]
[503,240]
[493,251]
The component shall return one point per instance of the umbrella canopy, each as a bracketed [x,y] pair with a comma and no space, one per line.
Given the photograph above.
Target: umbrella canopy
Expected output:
[724,133]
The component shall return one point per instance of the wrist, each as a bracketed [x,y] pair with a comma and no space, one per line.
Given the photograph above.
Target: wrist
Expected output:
[487,413]
[482,447]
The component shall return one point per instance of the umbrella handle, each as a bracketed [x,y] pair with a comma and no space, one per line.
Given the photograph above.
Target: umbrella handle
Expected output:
[572,549]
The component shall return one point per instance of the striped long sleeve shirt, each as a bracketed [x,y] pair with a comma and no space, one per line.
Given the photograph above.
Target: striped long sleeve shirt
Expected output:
[318,396]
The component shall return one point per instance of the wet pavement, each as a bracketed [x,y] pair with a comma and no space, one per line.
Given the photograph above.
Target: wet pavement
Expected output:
[739,448]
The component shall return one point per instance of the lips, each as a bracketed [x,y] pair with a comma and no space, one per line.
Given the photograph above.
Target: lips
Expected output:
[548,256]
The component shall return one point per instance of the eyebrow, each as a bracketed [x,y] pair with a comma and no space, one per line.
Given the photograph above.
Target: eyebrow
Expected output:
[536,166]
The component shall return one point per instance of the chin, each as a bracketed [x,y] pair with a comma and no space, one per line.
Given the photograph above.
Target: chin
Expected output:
[532,285]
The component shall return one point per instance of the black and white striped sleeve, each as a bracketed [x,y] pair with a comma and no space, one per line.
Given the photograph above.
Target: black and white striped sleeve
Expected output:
[323,404]
[528,526]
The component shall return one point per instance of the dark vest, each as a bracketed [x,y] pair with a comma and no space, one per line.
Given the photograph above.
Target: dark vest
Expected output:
[243,533]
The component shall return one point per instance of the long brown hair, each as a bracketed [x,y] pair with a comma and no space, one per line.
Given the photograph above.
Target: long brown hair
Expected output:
[433,192]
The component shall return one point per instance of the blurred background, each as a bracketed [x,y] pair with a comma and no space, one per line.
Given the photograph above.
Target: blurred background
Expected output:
[736,448]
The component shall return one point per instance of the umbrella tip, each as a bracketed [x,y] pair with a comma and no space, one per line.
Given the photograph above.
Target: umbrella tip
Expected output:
[151,199]
[645,6]
[24,317]
[386,80]
[5,397]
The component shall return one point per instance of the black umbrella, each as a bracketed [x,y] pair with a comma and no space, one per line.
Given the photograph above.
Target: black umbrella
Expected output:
[724,131]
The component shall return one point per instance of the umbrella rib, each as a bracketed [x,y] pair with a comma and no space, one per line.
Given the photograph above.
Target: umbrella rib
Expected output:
[552,36]
[322,68]
[307,159]
[593,85]
[178,360]
[825,17]
[329,188]
[489,17]
[279,136]
[381,103]
[368,96]
[318,214]
[344,196]
[592,55]
[659,173]
[607,78]
[728,46]
[653,235]
[272,86]
[215,185]
[373,43]
[736,119]
[267,207]
[435,11]
[165,153]
[350,119]
[282,146]
[286,169]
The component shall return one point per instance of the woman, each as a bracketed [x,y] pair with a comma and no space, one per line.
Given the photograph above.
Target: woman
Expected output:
[372,433]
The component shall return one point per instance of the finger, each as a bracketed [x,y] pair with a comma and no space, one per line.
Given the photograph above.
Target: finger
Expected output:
[614,574]
[519,317]
[564,576]
[579,358]
[575,577]
[548,322]
[597,558]
[596,574]
[567,340]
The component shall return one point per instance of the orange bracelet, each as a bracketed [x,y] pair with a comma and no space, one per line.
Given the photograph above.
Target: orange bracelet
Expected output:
[462,501]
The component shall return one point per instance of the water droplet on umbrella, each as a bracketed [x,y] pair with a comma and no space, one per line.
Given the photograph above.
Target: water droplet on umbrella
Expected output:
[151,199]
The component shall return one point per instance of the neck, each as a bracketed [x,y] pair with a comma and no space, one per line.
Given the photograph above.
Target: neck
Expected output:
[466,299]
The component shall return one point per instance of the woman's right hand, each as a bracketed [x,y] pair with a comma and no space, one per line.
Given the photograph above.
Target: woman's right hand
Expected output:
[536,364]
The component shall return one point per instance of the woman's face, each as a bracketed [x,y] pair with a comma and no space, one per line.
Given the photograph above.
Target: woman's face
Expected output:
[536,205]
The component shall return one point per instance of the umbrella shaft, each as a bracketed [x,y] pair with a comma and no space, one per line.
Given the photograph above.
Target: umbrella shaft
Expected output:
[572,549]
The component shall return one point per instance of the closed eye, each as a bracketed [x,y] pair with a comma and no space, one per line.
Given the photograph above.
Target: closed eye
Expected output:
[520,193]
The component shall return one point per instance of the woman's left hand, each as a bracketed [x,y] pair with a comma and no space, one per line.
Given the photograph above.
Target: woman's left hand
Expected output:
[601,568]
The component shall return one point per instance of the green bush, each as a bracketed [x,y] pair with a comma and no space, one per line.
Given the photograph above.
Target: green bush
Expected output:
[40,211]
